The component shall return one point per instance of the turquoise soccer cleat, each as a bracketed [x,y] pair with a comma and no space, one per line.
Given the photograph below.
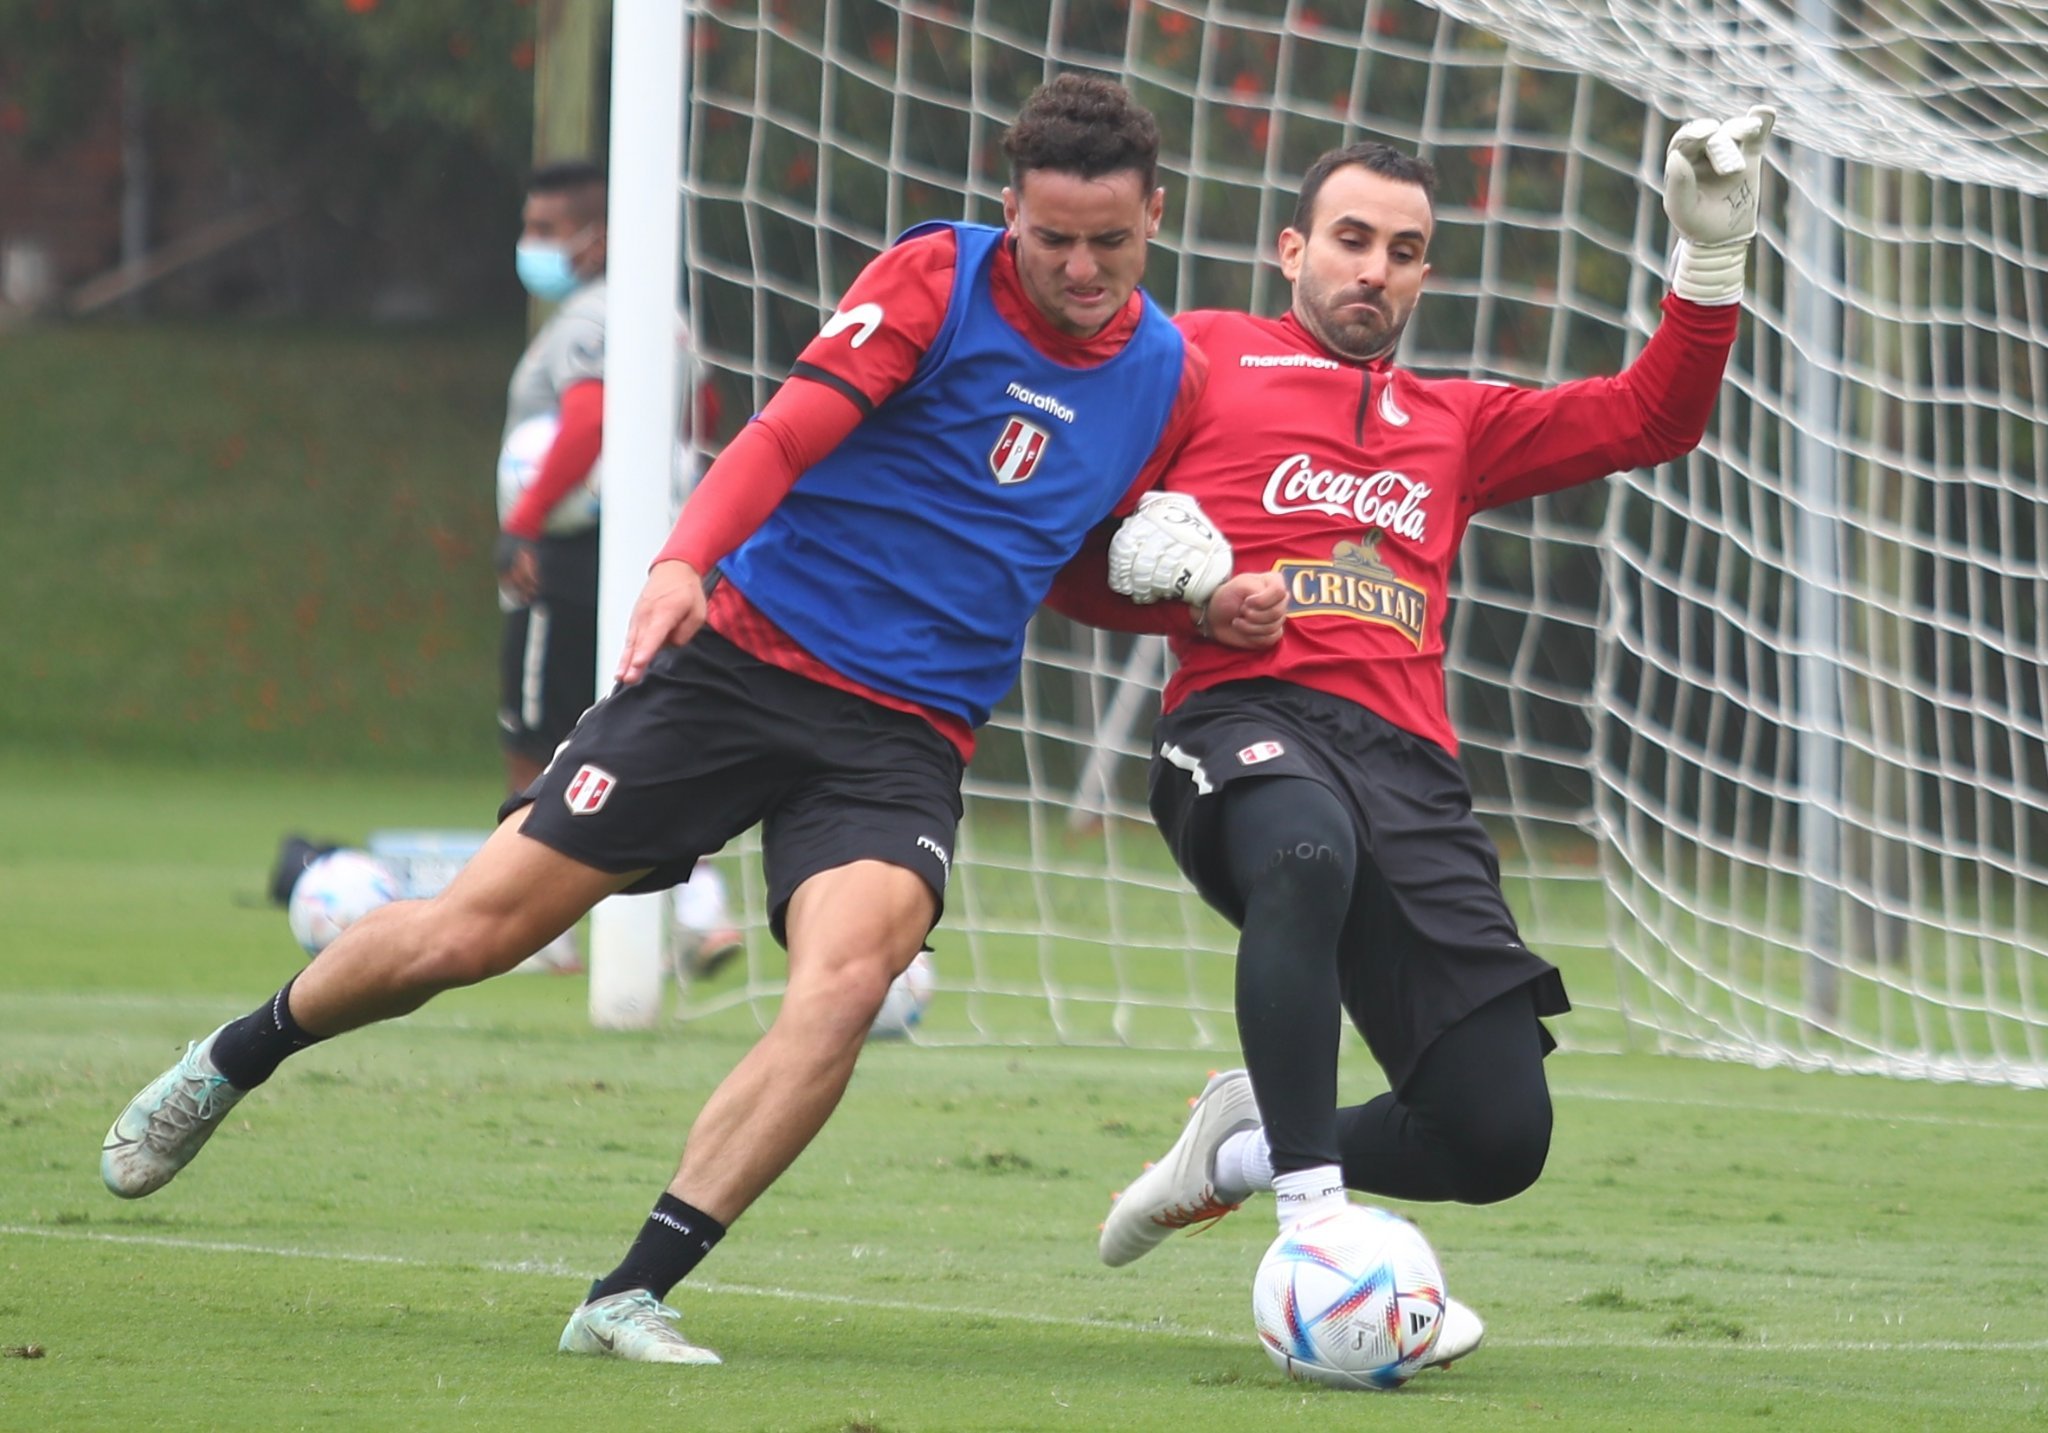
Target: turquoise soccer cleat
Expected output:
[632,1325]
[165,1125]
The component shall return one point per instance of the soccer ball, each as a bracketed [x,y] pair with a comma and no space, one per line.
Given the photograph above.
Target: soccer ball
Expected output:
[334,893]
[908,995]
[518,463]
[1353,1299]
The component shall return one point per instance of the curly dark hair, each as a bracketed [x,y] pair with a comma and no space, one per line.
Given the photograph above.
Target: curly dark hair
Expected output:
[1381,159]
[1085,125]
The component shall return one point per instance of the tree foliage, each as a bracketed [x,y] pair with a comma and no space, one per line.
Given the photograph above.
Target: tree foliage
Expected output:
[389,117]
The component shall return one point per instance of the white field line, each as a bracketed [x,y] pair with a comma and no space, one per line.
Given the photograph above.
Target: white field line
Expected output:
[853,1301]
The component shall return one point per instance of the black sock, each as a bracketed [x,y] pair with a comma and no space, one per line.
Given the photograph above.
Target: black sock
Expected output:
[249,1050]
[673,1241]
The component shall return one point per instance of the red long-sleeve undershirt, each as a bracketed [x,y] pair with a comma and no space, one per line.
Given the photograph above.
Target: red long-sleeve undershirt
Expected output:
[801,424]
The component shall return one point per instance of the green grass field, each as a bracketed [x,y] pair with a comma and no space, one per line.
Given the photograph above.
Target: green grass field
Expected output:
[390,1235]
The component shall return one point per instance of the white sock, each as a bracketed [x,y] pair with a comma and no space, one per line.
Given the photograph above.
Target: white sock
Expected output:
[1306,1193]
[1244,1165]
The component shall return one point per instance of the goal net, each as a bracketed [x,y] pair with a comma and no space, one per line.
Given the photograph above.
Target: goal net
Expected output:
[1761,732]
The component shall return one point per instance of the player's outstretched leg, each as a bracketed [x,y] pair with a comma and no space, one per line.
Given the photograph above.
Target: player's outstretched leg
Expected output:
[511,898]
[164,1125]
[1179,1191]
[632,1325]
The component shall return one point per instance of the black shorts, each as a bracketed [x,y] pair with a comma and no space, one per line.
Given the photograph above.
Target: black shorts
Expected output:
[547,655]
[547,675]
[712,741]
[1429,937]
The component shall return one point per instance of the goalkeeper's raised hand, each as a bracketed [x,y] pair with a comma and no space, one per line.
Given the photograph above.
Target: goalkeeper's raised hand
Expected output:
[1713,174]
[1168,549]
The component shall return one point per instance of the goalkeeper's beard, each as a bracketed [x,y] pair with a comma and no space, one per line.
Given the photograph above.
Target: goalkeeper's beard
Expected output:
[1358,339]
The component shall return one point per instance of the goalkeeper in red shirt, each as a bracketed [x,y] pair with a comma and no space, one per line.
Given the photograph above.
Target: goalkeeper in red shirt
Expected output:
[1311,790]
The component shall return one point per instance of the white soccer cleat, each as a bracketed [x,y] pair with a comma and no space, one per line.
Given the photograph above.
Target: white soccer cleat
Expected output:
[1179,1191]
[165,1125]
[1461,1333]
[632,1325]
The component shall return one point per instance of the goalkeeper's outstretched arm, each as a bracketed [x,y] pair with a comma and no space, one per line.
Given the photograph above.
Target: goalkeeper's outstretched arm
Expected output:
[1530,443]
[1248,610]
[1168,548]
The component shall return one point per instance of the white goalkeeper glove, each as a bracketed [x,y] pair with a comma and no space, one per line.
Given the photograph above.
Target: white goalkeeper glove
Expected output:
[1712,180]
[1167,548]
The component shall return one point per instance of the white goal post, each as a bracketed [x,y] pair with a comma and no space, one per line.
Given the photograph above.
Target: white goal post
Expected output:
[644,382]
[1763,734]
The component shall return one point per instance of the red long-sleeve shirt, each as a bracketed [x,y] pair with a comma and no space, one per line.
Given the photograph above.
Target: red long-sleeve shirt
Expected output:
[1356,483]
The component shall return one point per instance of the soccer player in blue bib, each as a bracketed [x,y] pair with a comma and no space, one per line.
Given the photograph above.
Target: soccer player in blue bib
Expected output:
[840,606]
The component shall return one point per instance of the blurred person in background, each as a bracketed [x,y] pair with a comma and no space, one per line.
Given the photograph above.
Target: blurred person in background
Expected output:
[548,507]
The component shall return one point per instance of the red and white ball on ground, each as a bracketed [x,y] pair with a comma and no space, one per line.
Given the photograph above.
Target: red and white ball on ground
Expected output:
[335,892]
[1352,1299]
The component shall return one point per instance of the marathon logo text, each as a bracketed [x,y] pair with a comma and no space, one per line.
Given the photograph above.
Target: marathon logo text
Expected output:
[1285,360]
[1387,499]
[1043,404]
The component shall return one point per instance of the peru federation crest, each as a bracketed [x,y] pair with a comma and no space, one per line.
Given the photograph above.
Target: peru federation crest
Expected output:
[1015,455]
[588,790]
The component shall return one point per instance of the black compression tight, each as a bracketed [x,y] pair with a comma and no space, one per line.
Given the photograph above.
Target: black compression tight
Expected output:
[1474,1122]
[1293,856]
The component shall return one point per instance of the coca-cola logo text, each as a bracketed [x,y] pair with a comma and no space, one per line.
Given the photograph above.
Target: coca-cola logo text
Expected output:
[1386,499]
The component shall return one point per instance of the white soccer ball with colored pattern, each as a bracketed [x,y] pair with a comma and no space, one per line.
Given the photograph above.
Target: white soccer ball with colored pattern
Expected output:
[1353,1299]
[519,464]
[334,893]
[909,994]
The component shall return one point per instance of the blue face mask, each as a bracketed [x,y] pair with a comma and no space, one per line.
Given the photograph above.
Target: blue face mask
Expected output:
[546,269]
